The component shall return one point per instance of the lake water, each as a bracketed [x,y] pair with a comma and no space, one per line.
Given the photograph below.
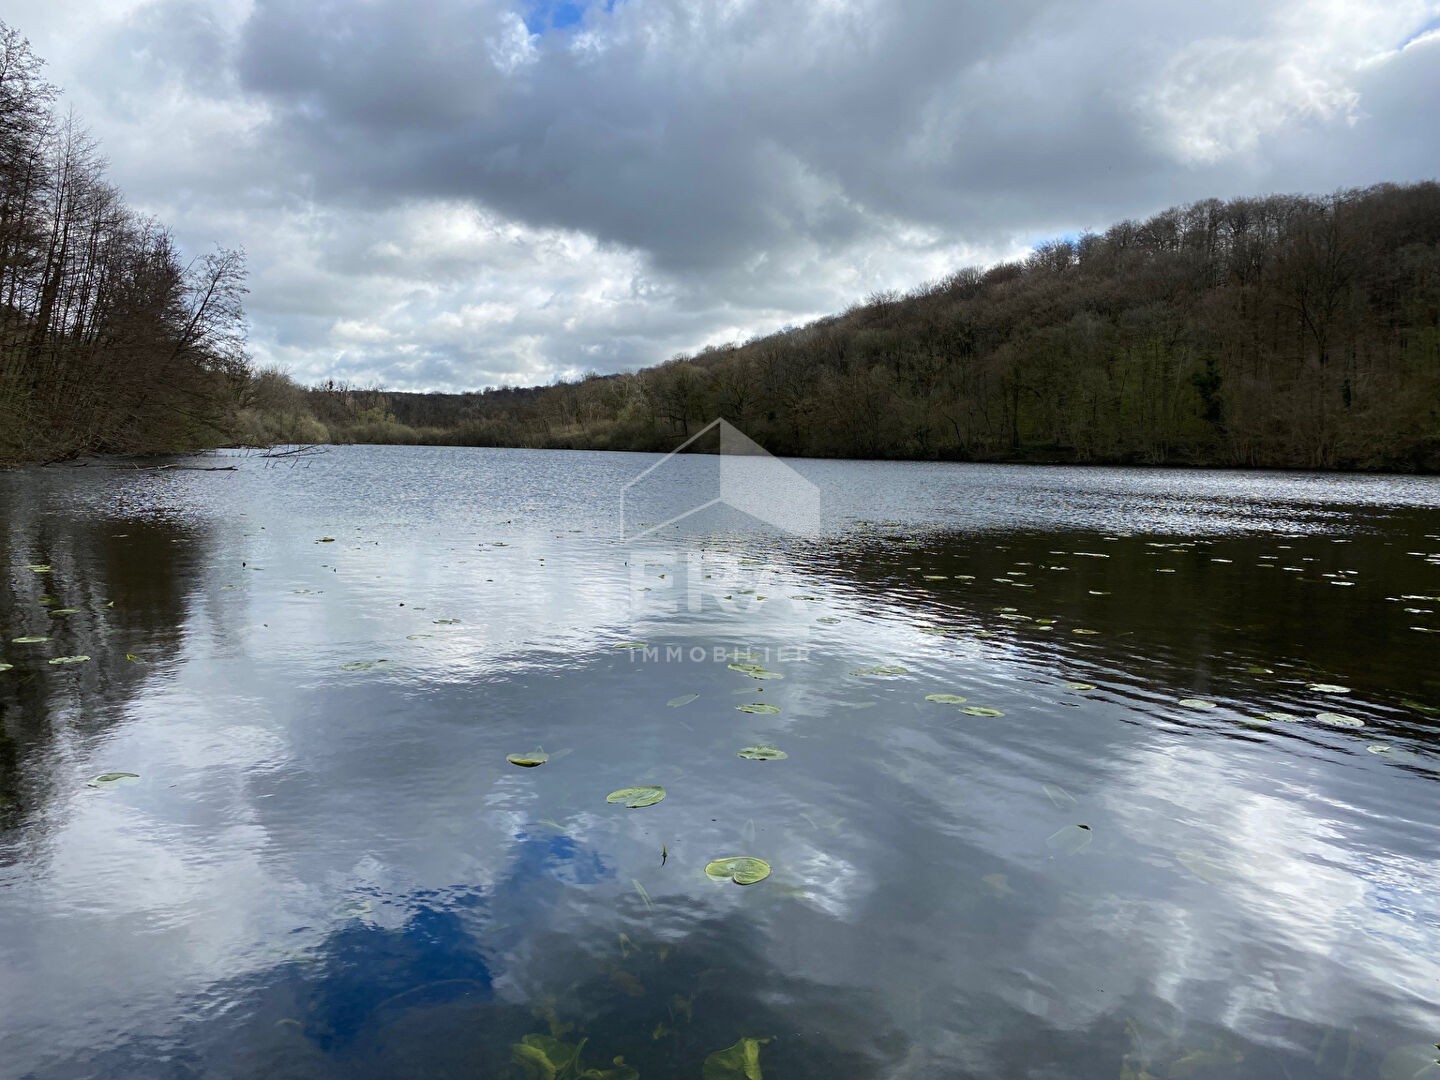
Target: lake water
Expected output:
[326,867]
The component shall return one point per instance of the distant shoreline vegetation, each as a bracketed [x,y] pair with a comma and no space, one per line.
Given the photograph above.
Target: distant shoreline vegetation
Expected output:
[1285,332]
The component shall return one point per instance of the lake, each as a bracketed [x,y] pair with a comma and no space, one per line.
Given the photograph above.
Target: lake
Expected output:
[1188,827]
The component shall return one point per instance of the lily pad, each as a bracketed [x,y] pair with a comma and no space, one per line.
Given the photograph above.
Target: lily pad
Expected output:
[1084,632]
[6,667]
[946,699]
[980,710]
[1281,717]
[1081,686]
[828,620]
[1328,688]
[755,671]
[738,1062]
[528,761]
[109,778]
[1196,703]
[882,669]
[682,700]
[29,639]
[763,753]
[631,645]
[360,665]
[39,568]
[70,660]
[636,797]
[759,708]
[1335,719]
[65,611]
[326,540]
[741,869]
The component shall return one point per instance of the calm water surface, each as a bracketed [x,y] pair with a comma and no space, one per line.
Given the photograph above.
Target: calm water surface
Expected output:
[326,867]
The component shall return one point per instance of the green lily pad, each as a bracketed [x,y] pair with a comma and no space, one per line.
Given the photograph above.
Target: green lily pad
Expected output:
[763,753]
[7,667]
[980,710]
[760,708]
[446,622]
[741,869]
[946,699]
[682,700]
[1084,632]
[755,671]
[39,568]
[360,665]
[1421,629]
[29,639]
[70,660]
[65,611]
[1282,717]
[326,540]
[1081,686]
[828,620]
[738,1062]
[631,645]
[882,669]
[528,761]
[1328,688]
[636,797]
[1195,703]
[106,779]
[1335,719]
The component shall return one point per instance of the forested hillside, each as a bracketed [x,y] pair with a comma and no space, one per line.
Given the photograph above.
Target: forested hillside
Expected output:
[110,340]
[1274,331]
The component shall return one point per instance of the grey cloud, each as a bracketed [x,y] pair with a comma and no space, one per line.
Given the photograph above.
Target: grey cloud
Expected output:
[433,197]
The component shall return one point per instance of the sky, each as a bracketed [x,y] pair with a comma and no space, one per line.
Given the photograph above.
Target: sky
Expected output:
[453,194]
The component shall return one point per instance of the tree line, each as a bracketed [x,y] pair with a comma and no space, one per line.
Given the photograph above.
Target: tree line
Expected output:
[1283,331]
[110,340]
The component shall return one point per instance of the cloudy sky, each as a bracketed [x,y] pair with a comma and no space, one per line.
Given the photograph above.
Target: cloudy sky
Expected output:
[448,194]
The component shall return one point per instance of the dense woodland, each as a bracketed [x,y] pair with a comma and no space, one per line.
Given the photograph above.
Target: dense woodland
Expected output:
[1274,331]
[110,340]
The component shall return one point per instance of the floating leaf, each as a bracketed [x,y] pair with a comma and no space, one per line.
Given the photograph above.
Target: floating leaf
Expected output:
[759,708]
[738,1062]
[636,797]
[1083,631]
[326,540]
[106,779]
[544,1058]
[828,620]
[946,699]
[1081,686]
[133,658]
[631,645]
[1196,703]
[528,761]
[1335,719]
[882,669]
[446,622]
[360,665]
[755,671]
[1282,717]
[6,667]
[763,753]
[70,660]
[1421,629]
[683,699]
[741,869]
[980,710]
[65,611]
[39,568]
[1328,688]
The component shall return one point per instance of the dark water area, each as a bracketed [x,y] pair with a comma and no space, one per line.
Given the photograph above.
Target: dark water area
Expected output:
[1201,838]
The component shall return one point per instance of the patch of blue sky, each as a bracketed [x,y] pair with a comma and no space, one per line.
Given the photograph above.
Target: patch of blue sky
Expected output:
[542,16]
[1428,28]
